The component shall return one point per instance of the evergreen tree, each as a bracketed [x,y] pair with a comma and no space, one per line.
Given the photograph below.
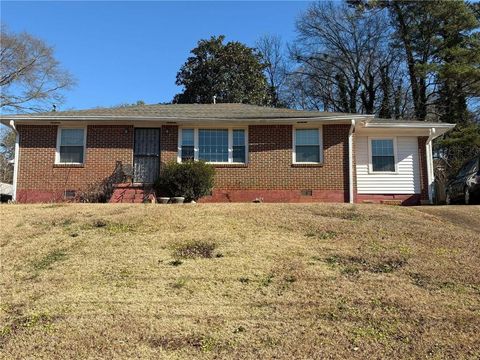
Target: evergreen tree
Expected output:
[231,72]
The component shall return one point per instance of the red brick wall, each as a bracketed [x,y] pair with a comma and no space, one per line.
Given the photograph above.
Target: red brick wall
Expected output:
[39,179]
[354,168]
[168,143]
[269,175]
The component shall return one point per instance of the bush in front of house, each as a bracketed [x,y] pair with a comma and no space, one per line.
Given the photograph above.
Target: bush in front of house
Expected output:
[98,192]
[191,179]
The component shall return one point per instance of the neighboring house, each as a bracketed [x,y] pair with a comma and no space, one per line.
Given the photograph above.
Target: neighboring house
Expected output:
[276,155]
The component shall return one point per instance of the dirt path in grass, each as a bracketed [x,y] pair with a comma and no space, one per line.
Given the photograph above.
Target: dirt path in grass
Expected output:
[466,217]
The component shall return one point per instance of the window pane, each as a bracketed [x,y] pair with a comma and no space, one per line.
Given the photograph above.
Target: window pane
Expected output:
[383,147]
[187,137]
[382,155]
[187,153]
[307,153]
[239,145]
[383,163]
[239,154]
[239,137]
[213,145]
[71,154]
[72,137]
[307,137]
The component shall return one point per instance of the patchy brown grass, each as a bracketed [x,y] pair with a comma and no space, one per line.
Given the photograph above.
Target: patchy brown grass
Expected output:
[194,249]
[239,281]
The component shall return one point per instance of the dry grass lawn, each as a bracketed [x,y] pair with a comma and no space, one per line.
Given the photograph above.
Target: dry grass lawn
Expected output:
[239,281]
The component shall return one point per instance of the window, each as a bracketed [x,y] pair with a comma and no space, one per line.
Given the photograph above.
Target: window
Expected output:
[307,146]
[239,146]
[383,155]
[187,145]
[70,146]
[213,145]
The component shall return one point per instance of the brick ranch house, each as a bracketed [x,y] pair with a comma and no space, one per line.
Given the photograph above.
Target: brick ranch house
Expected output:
[277,155]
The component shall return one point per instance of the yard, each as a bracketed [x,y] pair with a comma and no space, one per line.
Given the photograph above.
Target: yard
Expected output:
[239,281]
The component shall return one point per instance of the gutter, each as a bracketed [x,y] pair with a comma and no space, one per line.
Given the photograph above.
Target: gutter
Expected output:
[410,125]
[11,125]
[434,133]
[171,118]
[350,162]
[430,172]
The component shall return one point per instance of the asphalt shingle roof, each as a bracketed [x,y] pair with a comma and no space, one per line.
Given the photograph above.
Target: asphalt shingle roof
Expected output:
[195,111]
[207,112]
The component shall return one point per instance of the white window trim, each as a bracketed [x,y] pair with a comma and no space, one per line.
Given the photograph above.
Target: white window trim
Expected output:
[196,149]
[320,144]
[57,151]
[370,158]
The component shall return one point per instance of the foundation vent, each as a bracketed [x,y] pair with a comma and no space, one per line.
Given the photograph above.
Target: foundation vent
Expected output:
[70,194]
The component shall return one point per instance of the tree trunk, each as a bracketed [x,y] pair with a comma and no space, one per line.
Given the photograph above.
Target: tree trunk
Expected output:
[418,91]
[385,107]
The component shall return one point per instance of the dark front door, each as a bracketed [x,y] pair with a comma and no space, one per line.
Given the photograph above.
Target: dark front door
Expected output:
[146,155]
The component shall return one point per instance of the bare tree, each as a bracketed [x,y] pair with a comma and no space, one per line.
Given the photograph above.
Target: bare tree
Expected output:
[273,56]
[31,79]
[347,56]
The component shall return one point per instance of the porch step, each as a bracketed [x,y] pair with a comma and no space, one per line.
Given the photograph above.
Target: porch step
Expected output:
[133,194]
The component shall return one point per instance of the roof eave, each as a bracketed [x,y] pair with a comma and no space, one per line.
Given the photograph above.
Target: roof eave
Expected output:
[439,128]
[6,118]
[419,125]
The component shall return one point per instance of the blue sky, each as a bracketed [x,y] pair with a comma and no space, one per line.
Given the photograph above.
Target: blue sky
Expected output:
[121,52]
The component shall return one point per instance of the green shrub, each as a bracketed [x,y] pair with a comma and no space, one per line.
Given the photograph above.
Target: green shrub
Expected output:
[191,180]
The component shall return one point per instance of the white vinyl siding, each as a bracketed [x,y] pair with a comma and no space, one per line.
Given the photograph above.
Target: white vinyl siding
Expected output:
[406,178]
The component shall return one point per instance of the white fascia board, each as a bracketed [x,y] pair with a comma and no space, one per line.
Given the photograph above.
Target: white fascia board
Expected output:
[441,128]
[31,117]
[411,125]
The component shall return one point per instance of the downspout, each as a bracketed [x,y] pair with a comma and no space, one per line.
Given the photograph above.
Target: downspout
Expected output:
[15,161]
[430,173]
[350,162]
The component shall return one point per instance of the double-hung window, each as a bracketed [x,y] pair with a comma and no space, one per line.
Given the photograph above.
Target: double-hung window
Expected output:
[239,146]
[213,145]
[382,155]
[187,149]
[70,146]
[307,145]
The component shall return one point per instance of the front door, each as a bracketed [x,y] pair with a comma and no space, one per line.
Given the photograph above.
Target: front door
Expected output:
[146,155]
